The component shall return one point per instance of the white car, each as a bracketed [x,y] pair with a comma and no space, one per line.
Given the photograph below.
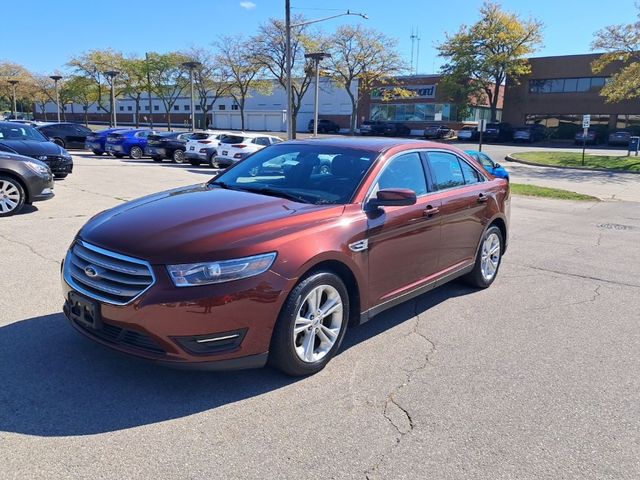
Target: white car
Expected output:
[237,146]
[201,146]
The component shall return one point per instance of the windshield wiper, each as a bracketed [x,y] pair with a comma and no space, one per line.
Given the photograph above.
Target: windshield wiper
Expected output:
[277,193]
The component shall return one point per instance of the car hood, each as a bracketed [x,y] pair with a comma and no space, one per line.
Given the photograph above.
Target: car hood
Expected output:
[33,147]
[199,223]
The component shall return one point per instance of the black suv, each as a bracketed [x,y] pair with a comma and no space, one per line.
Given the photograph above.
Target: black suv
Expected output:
[167,145]
[67,135]
[25,140]
[387,129]
[324,126]
[498,132]
[23,180]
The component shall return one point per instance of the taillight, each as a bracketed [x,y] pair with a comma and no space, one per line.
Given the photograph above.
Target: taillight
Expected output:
[239,145]
[204,141]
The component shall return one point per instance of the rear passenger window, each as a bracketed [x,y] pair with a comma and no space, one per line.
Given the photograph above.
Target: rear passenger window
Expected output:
[446,170]
[262,141]
[405,171]
[469,173]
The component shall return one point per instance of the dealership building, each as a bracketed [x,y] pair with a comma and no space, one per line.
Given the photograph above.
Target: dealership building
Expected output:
[560,90]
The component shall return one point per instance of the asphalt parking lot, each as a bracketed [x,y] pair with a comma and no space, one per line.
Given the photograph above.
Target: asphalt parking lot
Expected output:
[534,378]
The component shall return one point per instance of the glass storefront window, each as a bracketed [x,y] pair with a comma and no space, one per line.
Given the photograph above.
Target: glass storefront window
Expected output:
[411,112]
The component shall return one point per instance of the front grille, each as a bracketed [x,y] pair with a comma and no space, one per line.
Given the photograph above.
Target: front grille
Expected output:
[106,276]
[121,336]
[56,163]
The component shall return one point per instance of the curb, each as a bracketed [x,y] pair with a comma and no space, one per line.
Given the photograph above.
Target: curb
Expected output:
[509,158]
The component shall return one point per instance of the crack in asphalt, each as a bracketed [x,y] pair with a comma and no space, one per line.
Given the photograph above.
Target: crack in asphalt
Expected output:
[121,199]
[578,275]
[392,408]
[31,249]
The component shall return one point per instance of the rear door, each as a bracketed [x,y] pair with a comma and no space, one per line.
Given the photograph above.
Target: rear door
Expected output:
[403,241]
[463,213]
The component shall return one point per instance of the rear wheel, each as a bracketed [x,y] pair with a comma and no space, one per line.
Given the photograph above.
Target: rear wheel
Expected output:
[135,153]
[488,259]
[178,156]
[59,141]
[212,161]
[12,196]
[311,325]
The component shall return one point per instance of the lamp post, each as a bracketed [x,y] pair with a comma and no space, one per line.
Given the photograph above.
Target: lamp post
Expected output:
[13,85]
[192,66]
[288,27]
[112,74]
[55,79]
[316,57]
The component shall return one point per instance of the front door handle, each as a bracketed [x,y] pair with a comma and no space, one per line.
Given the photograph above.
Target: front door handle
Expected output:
[482,198]
[430,210]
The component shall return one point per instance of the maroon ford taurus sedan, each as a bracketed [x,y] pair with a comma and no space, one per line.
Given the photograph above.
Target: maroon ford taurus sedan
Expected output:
[272,259]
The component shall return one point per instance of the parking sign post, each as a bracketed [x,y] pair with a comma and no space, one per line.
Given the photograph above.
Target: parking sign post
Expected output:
[586,123]
[482,126]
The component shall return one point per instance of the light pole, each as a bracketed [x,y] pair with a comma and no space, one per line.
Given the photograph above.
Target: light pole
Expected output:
[112,74]
[55,79]
[13,83]
[146,56]
[192,66]
[316,57]
[288,27]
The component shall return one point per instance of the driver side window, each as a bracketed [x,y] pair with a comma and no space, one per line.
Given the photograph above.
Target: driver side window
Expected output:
[404,171]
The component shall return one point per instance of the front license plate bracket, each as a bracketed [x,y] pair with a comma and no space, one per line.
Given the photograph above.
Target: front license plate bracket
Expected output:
[84,311]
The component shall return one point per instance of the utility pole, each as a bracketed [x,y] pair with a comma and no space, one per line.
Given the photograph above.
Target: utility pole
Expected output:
[14,112]
[55,79]
[317,57]
[112,74]
[192,66]
[146,56]
[287,27]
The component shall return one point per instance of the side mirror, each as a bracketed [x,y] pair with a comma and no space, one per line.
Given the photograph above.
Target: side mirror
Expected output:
[496,165]
[392,197]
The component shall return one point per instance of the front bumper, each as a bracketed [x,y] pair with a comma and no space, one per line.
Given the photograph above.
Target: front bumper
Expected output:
[94,146]
[59,165]
[114,148]
[165,323]
[225,161]
[195,156]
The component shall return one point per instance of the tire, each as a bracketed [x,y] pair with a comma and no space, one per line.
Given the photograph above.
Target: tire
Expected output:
[178,156]
[59,141]
[12,196]
[156,159]
[60,175]
[96,152]
[479,277]
[288,352]
[212,161]
[135,153]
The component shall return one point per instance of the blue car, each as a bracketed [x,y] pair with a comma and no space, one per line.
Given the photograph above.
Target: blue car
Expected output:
[96,140]
[492,167]
[128,142]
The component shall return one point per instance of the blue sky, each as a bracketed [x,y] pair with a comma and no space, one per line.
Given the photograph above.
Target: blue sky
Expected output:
[135,26]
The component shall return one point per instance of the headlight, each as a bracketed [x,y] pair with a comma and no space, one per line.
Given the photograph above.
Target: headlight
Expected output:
[38,168]
[194,274]
[42,157]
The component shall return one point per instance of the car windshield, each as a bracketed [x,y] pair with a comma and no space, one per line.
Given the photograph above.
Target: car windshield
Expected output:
[21,132]
[318,174]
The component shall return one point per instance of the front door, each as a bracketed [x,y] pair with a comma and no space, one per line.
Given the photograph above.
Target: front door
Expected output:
[403,241]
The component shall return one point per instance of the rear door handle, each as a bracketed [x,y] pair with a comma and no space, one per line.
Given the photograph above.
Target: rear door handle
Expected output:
[430,210]
[482,198]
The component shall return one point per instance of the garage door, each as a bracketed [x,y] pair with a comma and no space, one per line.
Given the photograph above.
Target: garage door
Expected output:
[222,121]
[236,123]
[256,121]
[274,122]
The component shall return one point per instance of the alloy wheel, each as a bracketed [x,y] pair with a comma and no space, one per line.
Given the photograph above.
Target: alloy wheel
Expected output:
[178,156]
[318,323]
[9,196]
[136,153]
[490,256]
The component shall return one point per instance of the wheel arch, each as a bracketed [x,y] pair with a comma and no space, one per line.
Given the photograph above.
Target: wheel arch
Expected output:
[20,180]
[502,225]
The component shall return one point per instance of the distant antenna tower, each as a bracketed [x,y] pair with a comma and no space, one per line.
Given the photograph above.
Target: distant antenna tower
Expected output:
[415,43]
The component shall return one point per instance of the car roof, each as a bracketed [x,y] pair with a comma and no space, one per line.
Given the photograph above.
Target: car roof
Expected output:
[375,144]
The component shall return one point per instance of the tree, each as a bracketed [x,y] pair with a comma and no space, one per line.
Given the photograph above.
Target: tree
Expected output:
[211,80]
[621,44]
[81,90]
[25,90]
[168,78]
[92,65]
[490,50]
[270,53]
[235,57]
[133,80]
[365,56]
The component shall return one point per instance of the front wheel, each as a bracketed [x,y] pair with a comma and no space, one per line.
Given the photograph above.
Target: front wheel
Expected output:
[488,259]
[311,325]
[135,153]
[12,196]
[178,156]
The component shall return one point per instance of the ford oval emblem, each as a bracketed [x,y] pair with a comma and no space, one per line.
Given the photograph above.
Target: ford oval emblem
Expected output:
[90,271]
